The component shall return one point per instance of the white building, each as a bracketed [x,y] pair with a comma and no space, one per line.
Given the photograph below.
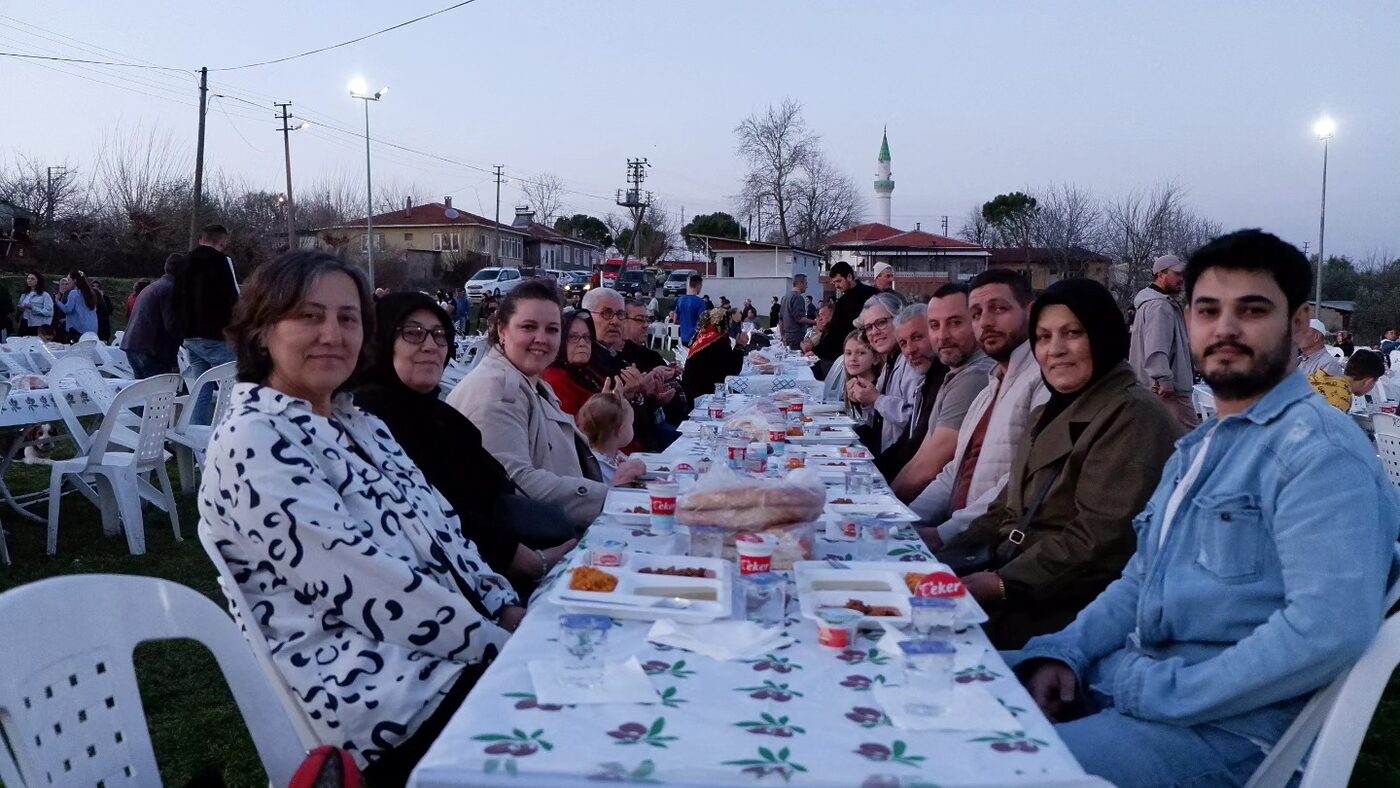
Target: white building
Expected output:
[758,271]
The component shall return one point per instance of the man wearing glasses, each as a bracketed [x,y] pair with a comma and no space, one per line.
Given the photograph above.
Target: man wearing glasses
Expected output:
[646,391]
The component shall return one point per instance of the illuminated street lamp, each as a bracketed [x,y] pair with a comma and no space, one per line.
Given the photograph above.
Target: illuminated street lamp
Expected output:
[360,89]
[1324,128]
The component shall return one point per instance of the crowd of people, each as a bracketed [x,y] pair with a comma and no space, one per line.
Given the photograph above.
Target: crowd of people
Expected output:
[1170,592]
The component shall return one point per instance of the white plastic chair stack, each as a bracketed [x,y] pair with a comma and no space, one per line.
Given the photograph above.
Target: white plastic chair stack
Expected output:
[70,706]
[114,479]
[257,642]
[1387,436]
[34,352]
[190,441]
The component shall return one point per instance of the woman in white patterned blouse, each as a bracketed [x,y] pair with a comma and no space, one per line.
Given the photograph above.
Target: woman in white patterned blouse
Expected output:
[379,613]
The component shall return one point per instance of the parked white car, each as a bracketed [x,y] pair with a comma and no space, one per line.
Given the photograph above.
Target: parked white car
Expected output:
[496,281]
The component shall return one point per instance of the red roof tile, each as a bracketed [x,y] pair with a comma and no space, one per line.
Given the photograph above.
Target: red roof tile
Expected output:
[863,233]
[429,214]
[918,239]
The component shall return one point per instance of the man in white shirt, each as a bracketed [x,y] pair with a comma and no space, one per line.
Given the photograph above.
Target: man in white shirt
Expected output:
[999,302]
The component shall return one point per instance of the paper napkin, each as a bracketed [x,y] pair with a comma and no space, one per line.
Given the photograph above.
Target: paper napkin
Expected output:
[623,682]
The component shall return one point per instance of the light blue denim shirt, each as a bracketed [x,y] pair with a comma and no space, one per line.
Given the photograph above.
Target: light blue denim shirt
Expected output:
[1270,582]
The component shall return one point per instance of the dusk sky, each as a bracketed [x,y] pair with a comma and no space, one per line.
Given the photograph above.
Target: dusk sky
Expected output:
[980,98]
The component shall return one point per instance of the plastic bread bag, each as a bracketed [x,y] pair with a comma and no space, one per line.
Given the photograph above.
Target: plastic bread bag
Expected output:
[729,500]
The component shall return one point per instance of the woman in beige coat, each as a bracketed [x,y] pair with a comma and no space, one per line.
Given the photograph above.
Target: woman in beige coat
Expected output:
[519,416]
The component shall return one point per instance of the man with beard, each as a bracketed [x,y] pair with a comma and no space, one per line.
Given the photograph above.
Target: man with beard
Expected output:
[911,331]
[1262,560]
[890,399]
[951,335]
[1160,352]
[999,302]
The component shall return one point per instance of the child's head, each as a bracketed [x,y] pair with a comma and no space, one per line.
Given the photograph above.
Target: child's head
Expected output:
[606,421]
[859,357]
[1363,369]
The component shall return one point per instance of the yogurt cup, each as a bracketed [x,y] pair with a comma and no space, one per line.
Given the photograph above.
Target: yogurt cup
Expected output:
[755,553]
[608,553]
[663,506]
[836,627]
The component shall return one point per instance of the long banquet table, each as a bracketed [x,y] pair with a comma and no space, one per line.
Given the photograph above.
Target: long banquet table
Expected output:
[801,714]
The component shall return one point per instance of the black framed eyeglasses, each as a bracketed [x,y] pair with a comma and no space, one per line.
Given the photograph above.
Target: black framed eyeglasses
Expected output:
[415,335]
[612,314]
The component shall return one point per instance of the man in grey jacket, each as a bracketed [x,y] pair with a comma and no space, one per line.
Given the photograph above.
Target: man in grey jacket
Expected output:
[1160,351]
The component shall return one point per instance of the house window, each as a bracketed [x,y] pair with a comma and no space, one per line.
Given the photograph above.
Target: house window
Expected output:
[437,242]
[481,242]
[726,266]
[408,236]
[378,243]
[454,242]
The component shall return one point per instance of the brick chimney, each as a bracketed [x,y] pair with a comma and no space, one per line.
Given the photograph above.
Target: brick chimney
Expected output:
[447,201]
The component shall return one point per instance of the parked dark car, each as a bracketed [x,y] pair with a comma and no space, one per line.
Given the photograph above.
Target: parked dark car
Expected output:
[636,283]
[575,282]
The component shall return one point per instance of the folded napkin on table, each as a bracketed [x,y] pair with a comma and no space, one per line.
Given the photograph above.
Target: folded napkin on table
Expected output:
[970,708]
[721,640]
[969,654]
[623,682]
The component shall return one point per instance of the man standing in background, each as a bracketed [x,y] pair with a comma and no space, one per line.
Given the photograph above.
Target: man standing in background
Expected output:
[851,296]
[206,290]
[1160,352]
[689,308]
[793,314]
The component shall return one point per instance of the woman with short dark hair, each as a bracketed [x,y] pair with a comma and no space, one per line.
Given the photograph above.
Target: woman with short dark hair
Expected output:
[380,613]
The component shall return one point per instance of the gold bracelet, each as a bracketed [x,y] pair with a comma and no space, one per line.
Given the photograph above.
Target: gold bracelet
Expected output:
[1001,587]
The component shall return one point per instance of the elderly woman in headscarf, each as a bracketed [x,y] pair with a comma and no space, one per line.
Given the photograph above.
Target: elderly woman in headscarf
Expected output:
[1061,530]
[713,356]
[413,341]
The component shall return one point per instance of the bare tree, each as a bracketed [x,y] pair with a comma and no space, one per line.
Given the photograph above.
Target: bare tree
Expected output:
[1069,224]
[825,201]
[1137,228]
[49,191]
[976,229]
[141,172]
[544,193]
[777,145]
[330,202]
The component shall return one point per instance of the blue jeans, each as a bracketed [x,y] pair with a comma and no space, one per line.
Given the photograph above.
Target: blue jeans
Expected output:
[144,365]
[205,354]
[1134,753]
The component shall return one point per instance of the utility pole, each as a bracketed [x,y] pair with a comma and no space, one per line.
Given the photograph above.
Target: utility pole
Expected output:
[49,202]
[945,225]
[635,200]
[496,247]
[287,155]
[199,158]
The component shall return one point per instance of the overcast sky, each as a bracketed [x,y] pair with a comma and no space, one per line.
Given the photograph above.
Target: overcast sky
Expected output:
[980,98]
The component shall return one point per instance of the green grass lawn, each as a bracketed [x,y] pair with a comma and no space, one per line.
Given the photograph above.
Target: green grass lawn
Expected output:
[194,723]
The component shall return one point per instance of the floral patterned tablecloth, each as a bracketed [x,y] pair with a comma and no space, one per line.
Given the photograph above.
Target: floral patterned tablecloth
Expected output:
[799,715]
[37,406]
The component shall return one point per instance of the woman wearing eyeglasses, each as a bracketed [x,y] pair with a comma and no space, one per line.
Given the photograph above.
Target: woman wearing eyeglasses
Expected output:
[572,376]
[412,343]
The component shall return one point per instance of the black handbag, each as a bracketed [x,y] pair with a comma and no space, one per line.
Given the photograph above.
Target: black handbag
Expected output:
[986,557]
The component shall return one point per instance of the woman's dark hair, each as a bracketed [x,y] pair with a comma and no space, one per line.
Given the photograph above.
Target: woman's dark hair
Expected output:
[579,315]
[272,293]
[80,283]
[40,286]
[528,290]
[1255,250]
[139,286]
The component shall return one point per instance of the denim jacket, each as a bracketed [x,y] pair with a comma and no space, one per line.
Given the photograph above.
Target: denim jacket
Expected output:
[1270,582]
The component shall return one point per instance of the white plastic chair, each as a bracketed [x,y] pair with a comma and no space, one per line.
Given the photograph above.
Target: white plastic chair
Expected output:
[113,479]
[87,379]
[1202,401]
[1333,766]
[190,441]
[34,352]
[257,642]
[1387,437]
[70,706]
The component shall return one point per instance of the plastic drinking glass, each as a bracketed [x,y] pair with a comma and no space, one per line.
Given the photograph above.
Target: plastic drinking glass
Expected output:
[859,481]
[932,615]
[706,541]
[874,540]
[928,676]
[583,639]
[765,598]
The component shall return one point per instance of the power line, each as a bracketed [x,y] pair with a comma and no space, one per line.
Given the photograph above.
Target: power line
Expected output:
[93,62]
[319,50]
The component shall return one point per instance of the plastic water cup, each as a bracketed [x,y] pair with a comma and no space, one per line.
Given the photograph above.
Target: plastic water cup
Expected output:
[928,676]
[755,553]
[931,615]
[706,541]
[583,639]
[765,598]
[663,506]
[859,481]
[836,627]
[874,540]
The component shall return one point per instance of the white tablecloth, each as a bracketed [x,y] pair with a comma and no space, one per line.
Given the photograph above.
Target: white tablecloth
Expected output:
[799,715]
[27,408]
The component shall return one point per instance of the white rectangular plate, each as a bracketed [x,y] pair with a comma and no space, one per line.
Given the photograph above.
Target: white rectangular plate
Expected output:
[882,574]
[637,592]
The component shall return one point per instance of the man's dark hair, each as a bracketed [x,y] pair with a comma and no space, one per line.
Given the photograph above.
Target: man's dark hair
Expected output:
[1365,364]
[173,262]
[842,268]
[1255,250]
[273,292]
[1020,288]
[952,288]
[213,233]
[694,281]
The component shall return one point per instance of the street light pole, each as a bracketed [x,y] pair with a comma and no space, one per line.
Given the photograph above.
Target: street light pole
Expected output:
[359,90]
[1324,129]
